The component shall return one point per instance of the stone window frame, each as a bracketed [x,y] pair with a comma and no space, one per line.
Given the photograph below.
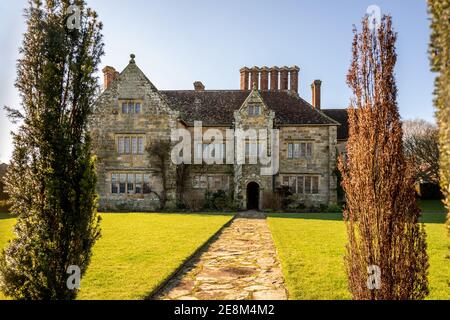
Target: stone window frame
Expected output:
[133,105]
[122,180]
[134,143]
[252,148]
[209,182]
[202,147]
[302,150]
[297,187]
[254,110]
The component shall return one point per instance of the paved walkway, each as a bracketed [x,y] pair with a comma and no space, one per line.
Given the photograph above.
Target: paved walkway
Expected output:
[241,264]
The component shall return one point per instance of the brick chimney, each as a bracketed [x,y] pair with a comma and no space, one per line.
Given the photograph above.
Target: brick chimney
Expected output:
[244,78]
[274,71]
[109,75]
[278,78]
[294,79]
[198,86]
[316,93]
[284,78]
[254,79]
[264,79]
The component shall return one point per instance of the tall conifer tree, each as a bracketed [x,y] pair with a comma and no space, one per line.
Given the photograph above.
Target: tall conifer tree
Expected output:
[51,179]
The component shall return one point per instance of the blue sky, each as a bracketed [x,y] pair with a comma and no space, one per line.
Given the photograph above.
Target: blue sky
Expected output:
[179,42]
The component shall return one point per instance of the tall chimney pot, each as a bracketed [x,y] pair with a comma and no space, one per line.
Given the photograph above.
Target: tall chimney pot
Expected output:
[244,78]
[274,71]
[264,79]
[254,77]
[316,88]
[294,79]
[109,75]
[284,78]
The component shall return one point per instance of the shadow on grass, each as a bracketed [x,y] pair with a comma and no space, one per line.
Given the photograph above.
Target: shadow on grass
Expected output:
[173,213]
[438,218]
[5,215]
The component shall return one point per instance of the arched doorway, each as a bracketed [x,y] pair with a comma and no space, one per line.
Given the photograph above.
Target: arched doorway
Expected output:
[253,196]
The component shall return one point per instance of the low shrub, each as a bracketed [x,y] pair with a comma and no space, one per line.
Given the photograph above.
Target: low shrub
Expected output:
[219,200]
[193,203]
[334,208]
[4,206]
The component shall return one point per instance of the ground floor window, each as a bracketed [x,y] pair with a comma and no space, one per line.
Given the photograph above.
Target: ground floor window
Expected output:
[211,182]
[130,183]
[305,184]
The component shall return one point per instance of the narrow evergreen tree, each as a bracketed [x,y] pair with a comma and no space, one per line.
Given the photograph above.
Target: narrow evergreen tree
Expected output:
[51,179]
[440,63]
[386,254]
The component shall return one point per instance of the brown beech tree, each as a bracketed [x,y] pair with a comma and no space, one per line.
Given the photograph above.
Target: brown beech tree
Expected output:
[386,255]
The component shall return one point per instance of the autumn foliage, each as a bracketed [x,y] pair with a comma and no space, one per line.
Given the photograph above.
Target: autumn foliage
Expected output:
[381,212]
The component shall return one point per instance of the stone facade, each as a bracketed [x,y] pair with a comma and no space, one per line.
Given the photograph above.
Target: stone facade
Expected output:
[154,122]
[132,113]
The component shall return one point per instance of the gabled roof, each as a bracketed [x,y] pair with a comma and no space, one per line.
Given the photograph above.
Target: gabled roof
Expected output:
[216,107]
[341,116]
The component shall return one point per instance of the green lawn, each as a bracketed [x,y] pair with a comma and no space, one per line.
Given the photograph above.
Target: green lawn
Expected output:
[311,248]
[430,206]
[138,251]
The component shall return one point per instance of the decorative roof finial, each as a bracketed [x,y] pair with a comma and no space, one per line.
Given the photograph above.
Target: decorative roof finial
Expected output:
[132,56]
[254,86]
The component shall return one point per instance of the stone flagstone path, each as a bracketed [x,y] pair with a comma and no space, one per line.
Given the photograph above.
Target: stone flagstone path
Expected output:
[240,264]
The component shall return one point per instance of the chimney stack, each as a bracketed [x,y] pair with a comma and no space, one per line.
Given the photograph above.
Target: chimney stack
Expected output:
[277,77]
[294,79]
[284,78]
[264,79]
[274,78]
[109,75]
[244,78]
[316,93]
[198,86]
[254,77]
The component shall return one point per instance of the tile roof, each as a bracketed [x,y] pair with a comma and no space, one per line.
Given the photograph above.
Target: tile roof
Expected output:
[341,116]
[216,107]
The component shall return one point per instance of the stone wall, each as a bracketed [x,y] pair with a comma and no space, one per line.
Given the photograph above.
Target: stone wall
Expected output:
[322,162]
[154,122]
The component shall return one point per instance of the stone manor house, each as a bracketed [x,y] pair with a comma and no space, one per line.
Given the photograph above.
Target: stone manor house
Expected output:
[131,114]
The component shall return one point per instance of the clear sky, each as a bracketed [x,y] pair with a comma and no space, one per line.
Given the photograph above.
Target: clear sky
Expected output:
[179,42]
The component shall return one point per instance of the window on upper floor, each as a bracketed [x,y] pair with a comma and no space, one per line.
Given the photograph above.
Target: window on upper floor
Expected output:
[300,150]
[129,144]
[307,184]
[131,107]
[254,111]
[251,149]
[210,149]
